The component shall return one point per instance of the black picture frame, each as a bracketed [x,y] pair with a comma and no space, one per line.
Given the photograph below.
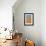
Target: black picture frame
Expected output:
[28,19]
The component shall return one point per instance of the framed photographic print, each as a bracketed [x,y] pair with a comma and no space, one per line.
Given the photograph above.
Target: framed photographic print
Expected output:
[28,19]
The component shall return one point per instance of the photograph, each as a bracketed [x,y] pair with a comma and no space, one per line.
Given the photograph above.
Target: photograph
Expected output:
[28,19]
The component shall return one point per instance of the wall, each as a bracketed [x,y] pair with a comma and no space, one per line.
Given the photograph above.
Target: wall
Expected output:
[43,22]
[6,13]
[29,32]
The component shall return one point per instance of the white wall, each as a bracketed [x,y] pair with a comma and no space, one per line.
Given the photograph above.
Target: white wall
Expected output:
[31,32]
[43,22]
[6,13]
